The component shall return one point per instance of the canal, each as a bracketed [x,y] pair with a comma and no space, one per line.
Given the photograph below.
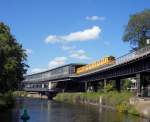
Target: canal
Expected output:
[52,111]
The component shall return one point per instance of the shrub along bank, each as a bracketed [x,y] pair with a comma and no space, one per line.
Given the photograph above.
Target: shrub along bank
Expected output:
[113,99]
[20,94]
[6,101]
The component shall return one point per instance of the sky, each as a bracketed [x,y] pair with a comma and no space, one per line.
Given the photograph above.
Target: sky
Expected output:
[59,32]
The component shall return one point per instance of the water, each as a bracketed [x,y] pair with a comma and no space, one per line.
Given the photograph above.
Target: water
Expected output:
[52,111]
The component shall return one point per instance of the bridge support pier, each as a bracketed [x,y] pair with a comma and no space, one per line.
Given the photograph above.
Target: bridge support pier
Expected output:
[42,85]
[83,87]
[138,80]
[49,85]
[86,86]
[117,85]
[95,86]
[105,82]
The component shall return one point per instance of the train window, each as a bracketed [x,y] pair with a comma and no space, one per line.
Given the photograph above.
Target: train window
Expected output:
[99,63]
[93,65]
[102,62]
[90,66]
[106,60]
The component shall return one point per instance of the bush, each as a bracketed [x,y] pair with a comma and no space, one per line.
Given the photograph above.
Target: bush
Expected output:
[9,99]
[123,108]
[20,94]
[126,84]
[6,100]
[132,110]
[108,88]
[117,100]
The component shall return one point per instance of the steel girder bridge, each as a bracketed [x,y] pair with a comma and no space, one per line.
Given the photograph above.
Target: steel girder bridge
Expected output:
[135,64]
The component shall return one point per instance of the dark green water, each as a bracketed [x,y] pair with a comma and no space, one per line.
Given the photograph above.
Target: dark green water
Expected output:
[52,111]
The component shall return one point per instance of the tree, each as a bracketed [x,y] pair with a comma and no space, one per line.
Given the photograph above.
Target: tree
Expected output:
[12,60]
[126,83]
[137,30]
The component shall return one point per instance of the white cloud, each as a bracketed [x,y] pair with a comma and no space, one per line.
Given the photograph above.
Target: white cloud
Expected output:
[36,70]
[68,48]
[28,51]
[94,18]
[79,54]
[74,53]
[52,39]
[58,61]
[85,35]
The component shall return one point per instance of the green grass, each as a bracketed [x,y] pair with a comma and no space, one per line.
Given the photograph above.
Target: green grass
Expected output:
[112,98]
[77,97]
[118,100]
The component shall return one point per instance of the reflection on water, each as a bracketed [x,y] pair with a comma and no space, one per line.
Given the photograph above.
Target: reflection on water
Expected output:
[52,111]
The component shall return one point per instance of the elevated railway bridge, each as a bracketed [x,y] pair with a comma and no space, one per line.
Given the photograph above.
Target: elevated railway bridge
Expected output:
[135,64]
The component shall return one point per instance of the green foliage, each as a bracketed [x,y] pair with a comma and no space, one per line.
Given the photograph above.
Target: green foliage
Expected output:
[6,100]
[126,108]
[123,108]
[112,98]
[20,94]
[108,88]
[78,97]
[12,60]
[117,100]
[138,29]
[126,84]
[132,110]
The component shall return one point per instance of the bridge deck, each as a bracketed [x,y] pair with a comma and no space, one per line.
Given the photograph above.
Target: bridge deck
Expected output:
[122,60]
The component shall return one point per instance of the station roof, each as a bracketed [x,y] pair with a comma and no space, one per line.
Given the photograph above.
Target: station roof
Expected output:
[71,64]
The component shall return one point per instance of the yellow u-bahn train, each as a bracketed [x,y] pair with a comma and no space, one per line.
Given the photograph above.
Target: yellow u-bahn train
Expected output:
[96,65]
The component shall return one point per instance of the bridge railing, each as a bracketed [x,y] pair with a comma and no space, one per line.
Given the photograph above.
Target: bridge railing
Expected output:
[125,58]
[133,55]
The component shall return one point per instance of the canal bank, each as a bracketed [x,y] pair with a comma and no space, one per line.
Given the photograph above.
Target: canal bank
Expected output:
[29,95]
[42,110]
[123,102]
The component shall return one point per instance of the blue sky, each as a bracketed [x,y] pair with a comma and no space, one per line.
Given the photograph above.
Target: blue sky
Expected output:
[58,32]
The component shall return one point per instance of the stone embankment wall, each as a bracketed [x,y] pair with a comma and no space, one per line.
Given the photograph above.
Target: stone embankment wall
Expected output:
[36,95]
[142,105]
[29,94]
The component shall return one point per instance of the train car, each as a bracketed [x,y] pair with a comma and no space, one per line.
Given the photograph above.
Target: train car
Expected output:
[96,65]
